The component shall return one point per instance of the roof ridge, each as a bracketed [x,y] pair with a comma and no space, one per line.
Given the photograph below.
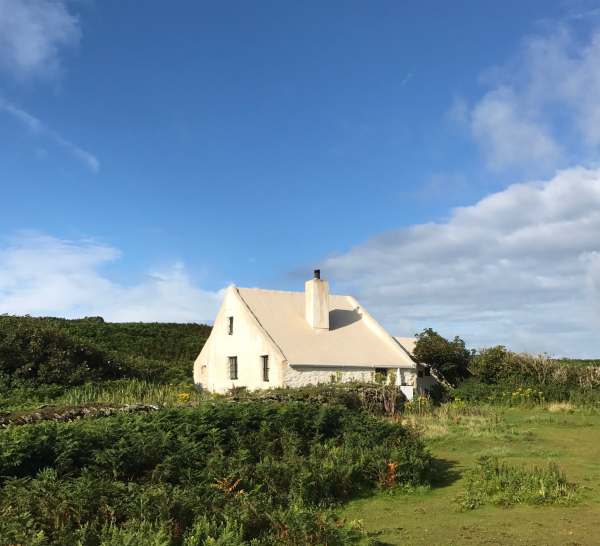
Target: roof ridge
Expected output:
[285,291]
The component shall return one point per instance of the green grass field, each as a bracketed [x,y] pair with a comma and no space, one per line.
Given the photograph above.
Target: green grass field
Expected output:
[518,436]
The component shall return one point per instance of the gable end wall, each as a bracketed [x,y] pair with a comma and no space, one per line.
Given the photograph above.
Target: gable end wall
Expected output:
[248,343]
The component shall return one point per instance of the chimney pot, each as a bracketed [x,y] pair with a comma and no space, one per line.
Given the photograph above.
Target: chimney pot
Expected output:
[317,273]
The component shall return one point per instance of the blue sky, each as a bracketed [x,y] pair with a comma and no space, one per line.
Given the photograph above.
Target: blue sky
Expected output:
[150,156]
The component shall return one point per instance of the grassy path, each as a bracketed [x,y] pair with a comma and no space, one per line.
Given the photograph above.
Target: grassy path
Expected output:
[530,437]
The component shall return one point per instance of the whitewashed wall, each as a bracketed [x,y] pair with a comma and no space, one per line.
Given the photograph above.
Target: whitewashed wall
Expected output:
[248,343]
[313,375]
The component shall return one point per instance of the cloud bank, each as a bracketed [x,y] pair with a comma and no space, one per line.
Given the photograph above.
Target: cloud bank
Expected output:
[520,267]
[44,275]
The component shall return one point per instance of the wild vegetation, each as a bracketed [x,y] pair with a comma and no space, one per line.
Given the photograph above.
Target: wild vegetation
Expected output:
[229,472]
[42,351]
[120,448]
[500,376]
[560,441]
[202,470]
[491,481]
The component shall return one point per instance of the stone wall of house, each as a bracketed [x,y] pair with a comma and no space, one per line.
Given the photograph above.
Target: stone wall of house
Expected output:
[313,375]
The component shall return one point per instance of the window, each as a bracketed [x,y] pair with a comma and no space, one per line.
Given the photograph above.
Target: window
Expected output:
[233,367]
[230,326]
[381,371]
[265,367]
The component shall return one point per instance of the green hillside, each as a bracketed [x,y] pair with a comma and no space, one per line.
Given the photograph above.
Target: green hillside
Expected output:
[52,350]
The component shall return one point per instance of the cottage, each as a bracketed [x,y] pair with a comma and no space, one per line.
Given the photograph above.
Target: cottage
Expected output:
[268,338]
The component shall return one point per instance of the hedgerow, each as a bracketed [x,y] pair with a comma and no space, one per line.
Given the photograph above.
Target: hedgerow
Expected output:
[229,472]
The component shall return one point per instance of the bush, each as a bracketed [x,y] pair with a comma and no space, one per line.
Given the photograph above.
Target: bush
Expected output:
[232,472]
[450,359]
[72,352]
[500,375]
[377,398]
[40,354]
[473,390]
[495,482]
[491,365]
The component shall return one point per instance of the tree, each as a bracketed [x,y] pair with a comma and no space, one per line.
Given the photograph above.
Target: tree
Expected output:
[449,359]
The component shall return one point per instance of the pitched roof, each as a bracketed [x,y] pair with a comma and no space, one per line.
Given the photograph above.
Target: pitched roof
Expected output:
[354,338]
[408,344]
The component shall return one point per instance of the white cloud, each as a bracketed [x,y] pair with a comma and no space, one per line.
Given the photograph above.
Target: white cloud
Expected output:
[36,126]
[507,135]
[520,267]
[32,34]
[549,93]
[44,275]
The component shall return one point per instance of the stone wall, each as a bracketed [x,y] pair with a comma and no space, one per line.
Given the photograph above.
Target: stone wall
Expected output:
[312,375]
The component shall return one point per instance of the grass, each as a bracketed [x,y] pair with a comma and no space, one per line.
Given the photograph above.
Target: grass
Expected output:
[460,419]
[520,438]
[558,407]
[491,481]
[118,392]
[131,391]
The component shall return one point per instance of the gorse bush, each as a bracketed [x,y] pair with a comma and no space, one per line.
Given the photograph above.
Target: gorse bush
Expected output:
[152,351]
[71,352]
[34,352]
[224,472]
[494,482]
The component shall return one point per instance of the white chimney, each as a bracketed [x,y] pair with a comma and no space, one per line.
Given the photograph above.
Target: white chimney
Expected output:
[316,295]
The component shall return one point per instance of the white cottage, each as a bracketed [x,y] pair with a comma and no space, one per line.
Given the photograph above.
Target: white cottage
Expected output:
[270,338]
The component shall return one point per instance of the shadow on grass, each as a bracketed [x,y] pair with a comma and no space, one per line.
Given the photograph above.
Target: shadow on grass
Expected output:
[377,542]
[443,473]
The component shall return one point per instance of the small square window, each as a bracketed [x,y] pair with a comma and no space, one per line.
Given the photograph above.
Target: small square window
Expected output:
[230,326]
[233,367]
[265,367]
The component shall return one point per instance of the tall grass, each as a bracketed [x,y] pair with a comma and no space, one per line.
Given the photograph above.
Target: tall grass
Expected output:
[491,481]
[131,391]
[457,418]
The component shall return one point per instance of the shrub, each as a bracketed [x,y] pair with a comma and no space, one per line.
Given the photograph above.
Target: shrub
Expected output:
[491,365]
[474,390]
[377,398]
[71,352]
[450,359]
[503,376]
[491,481]
[228,472]
[35,352]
